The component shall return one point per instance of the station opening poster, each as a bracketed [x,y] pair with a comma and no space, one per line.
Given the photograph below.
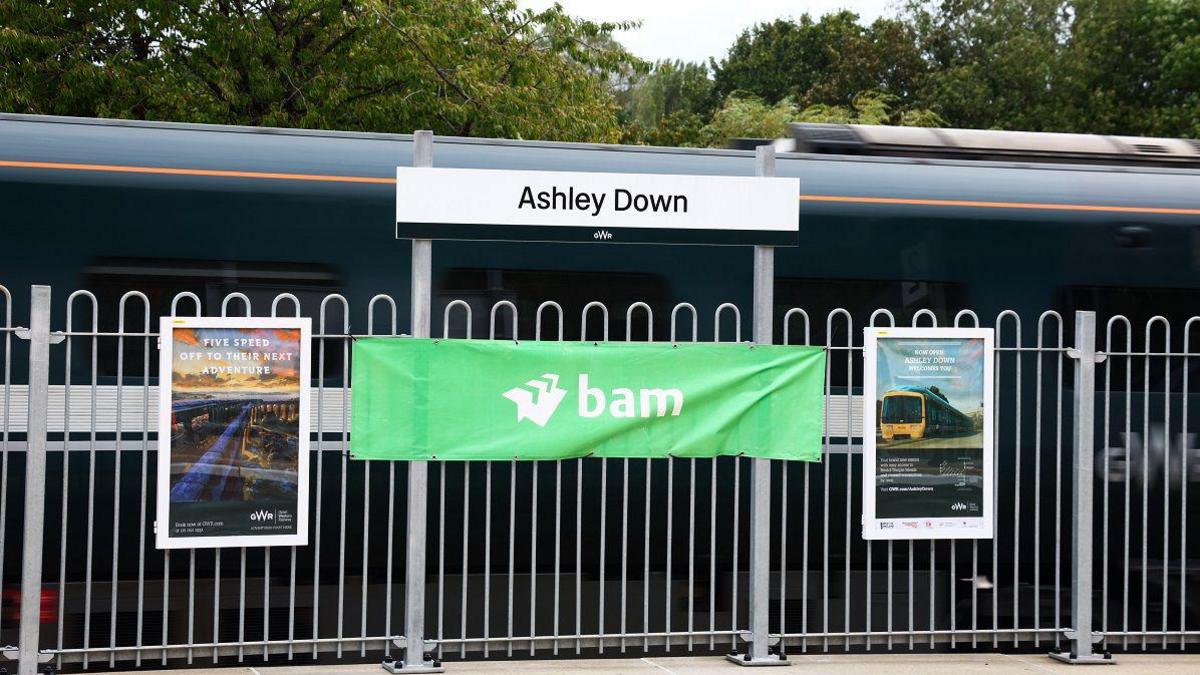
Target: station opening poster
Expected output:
[927,433]
[233,432]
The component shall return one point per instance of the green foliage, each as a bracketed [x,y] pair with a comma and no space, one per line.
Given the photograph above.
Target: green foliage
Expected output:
[871,107]
[1100,66]
[671,87]
[831,60]
[1134,67]
[468,67]
[489,68]
[669,105]
[678,129]
[994,62]
[749,117]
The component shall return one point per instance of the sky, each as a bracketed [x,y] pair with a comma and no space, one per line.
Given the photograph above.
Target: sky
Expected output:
[694,30]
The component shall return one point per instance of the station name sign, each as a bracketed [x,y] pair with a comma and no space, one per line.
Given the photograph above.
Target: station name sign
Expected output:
[567,206]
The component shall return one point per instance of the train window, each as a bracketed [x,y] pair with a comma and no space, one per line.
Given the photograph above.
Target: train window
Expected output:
[861,297]
[527,289]
[1138,305]
[161,279]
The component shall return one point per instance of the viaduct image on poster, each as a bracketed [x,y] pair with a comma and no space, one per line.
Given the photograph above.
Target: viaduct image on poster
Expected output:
[233,432]
[927,433]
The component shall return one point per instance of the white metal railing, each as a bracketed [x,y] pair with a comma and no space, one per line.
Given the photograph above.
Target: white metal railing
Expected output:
[616,554]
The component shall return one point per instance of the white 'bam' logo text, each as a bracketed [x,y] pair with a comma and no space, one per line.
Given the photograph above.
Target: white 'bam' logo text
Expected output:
[537,400]
[537,407]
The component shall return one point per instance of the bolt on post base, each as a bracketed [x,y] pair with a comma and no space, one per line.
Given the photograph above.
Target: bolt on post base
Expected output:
[1074,659]
[398,666]
[769,660]
[1072,654]
[427,664]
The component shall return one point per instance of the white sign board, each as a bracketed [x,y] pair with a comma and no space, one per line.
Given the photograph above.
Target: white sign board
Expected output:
[928,421]
[233,432]
[485,204]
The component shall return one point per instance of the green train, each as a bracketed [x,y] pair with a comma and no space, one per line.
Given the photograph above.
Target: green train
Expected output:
[909,220]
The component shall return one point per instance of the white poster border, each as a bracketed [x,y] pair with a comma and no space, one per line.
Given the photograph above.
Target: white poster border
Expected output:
[882,529]
[163,538]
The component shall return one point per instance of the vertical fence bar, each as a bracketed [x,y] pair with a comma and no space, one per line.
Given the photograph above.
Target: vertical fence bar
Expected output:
[1084,354]
[35,478]
[5,422]
[1184,450]
[759,586]
[418,472]
[141,578]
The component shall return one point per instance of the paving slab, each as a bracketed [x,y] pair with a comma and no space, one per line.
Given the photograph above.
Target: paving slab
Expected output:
[837,664]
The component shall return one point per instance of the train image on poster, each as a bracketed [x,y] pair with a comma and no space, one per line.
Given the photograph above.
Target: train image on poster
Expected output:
[917,413]
[927,438]
[233,460]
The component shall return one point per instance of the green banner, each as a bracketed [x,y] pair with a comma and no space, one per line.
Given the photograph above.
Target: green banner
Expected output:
[495,400]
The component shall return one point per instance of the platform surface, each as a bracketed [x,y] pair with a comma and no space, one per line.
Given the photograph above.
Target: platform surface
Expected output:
[838,664]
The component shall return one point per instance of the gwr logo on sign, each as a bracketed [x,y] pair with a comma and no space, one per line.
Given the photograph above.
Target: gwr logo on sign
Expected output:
[538,399]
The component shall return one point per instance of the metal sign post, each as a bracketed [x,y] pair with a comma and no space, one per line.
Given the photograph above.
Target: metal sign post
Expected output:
[417,652]
[758,641]
[518,206]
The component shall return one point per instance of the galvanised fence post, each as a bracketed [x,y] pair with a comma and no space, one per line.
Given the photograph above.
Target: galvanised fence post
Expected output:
[1081,635]
[39,338]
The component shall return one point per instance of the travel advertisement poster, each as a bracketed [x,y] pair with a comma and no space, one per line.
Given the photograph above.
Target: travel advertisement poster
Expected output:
[927,433]
[233,432]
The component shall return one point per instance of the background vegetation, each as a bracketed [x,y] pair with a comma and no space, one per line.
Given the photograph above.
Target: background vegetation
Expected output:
[489,68]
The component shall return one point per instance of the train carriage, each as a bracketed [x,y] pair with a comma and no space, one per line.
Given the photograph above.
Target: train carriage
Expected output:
[915,221]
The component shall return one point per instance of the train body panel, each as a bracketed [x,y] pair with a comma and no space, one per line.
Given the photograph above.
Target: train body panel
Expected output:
[109,203]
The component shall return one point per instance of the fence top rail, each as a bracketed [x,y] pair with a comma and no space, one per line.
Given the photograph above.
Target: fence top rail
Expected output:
[1051,333]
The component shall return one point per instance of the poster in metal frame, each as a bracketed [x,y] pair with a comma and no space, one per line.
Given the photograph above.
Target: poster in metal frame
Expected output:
[234,391]
[928,433]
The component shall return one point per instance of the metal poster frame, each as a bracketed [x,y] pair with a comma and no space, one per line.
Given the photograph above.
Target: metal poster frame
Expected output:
[163,538]
[918,526]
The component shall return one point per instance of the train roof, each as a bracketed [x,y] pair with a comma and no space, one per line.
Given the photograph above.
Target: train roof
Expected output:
[922,390]
[988,144]
[152,155]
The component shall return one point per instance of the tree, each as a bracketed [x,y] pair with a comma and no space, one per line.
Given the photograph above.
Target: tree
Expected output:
[1100,66]
[671,87]
[993,63]
[669,105]
[467,67]
[1133,67]
[679,129]
[871,107]
[749,117]
[826,61]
